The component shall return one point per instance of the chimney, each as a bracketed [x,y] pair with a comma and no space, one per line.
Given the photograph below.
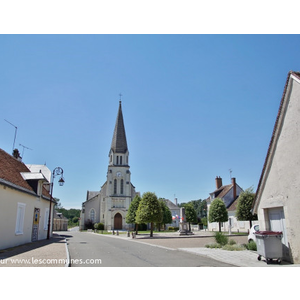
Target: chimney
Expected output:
[16,154]
[218,182]
[234,187]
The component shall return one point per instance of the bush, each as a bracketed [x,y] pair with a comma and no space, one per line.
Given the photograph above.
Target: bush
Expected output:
[100,226]
[232,242]
[212,246]
[89,224]
[171,228]
[251,246]
[176,228]
[234,247]
[221,238]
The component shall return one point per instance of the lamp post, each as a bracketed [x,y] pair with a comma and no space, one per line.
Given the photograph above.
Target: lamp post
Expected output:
[61,181]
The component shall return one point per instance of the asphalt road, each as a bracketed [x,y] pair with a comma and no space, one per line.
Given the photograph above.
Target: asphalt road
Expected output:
[95,250]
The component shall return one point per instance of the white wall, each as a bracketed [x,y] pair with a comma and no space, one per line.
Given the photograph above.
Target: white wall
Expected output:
[282,188]
[8,213]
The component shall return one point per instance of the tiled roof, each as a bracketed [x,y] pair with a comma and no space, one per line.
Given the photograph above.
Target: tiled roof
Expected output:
[170,204]
[10,169]
[233,205]
[222,191]
[119,142]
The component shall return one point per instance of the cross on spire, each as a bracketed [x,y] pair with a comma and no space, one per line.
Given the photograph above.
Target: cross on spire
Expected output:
[120,96]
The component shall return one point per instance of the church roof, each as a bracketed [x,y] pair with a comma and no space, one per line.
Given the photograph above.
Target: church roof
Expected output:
[119,142]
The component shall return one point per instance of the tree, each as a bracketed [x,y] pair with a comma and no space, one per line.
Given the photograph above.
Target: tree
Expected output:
[166,213]
[218,212]
[57,204]
[131,214]
[243,210]
[149,210]
[190,214]
[75,220]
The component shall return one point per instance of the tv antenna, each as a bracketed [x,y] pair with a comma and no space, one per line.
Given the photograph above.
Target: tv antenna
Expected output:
[23,150]
[230,171]
[16,128]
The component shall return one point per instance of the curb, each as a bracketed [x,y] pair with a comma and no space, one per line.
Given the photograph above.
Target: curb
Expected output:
[68,262]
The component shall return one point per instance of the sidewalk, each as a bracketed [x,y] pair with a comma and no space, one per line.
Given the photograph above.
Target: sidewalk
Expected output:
[45,253]
[196,244]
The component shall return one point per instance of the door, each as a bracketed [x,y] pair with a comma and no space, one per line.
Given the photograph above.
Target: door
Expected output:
[35,225]
[118,221]
[277,223]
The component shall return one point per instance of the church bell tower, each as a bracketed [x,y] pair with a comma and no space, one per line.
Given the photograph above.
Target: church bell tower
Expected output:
[119,191]
[110,205]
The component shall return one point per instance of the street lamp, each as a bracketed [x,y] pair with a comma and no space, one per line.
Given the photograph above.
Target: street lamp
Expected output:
[61,181]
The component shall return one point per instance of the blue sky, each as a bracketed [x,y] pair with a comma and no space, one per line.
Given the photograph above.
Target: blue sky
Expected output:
[194,106]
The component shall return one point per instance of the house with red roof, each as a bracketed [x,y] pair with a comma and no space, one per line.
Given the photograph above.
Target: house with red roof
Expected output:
[277,197]
[229,194]
[24,202]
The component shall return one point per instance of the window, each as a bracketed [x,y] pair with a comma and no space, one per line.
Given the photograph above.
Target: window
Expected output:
[20,218]
[115,186]
[92,215]
[122,186]
[46,219]
[117,159]
[120,160]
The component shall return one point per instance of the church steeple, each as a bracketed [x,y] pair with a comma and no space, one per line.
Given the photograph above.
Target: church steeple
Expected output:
[119,142]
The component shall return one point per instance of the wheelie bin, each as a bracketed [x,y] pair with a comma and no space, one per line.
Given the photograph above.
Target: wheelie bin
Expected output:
[269,245]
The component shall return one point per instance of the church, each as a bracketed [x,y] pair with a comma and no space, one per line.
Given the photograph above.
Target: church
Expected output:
[110,205]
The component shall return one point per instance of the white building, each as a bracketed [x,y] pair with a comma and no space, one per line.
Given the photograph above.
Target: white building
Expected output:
[110,205]
[278,193]
[229,194]
[24,202]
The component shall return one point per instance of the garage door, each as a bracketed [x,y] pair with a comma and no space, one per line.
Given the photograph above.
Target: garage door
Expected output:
[277,223]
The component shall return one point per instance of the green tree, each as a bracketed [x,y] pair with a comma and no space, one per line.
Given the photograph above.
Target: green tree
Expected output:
[244,205]
[218,212]
[166,213]
[149,210]
[75,220]
[57,204]
[190,214]
[204,221]
[131,214]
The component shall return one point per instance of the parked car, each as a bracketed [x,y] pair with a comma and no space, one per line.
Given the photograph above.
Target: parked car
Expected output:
[251,236]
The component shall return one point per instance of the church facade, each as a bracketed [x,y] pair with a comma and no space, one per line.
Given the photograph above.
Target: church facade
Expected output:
[110,205]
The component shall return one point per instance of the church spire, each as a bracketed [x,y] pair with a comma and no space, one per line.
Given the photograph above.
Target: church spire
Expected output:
[119,143]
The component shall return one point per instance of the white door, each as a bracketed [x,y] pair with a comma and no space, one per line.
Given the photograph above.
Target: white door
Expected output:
[277,223]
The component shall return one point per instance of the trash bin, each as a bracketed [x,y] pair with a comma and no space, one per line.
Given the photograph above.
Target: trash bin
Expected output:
[269,245]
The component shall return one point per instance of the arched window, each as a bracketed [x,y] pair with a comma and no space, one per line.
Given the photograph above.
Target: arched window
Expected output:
[115,186]
[120,160]
[122,186]
[92,215]
[117,159]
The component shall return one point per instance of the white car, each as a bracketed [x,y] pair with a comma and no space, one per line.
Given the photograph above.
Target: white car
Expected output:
[251,236]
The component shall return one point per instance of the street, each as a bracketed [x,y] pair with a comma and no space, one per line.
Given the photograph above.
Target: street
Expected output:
[96,250]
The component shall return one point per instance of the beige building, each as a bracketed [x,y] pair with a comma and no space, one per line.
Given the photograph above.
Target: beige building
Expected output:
[278,193]
[24,203]
[110,205]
